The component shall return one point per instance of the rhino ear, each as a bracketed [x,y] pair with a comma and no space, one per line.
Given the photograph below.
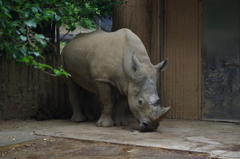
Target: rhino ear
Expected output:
[135,63]
[162,65]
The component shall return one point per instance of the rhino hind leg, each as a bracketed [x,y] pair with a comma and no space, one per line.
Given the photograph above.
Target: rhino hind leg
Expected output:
[75,96]
[119,109]
[104,95]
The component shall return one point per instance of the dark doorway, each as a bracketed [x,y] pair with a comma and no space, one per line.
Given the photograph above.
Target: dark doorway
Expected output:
[221,60]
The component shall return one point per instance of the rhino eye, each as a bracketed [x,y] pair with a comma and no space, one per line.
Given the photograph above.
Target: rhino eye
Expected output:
[140,100]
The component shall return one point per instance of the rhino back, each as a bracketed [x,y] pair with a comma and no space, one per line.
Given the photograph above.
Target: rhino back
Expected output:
[101,56]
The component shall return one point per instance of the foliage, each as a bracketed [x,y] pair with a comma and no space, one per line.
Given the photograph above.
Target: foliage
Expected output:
[20,21]
[62,45]
[87,23]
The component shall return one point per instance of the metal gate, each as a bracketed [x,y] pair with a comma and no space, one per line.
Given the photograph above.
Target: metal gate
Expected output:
[221,60]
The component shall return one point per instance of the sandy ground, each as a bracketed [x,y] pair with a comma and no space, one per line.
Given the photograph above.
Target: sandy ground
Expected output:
[61,148]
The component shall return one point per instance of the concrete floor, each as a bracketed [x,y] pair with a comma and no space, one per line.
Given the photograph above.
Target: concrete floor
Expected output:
[219,139]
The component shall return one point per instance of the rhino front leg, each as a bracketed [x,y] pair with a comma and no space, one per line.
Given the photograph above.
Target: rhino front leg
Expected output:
[118,114]
[75,96]
[104,95]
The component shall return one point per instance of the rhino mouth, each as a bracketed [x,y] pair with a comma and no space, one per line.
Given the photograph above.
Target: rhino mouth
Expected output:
[146,126]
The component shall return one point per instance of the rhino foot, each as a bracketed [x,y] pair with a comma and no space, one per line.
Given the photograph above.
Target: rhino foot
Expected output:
[120,122]
[77,118]
[104,122]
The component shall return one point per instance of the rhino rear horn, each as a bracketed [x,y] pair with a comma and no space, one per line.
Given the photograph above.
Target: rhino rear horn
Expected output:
[162,65]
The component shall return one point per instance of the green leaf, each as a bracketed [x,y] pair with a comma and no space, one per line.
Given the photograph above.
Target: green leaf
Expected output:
[9,15]
[25,14]
[27,5]
[24,51]
[57,17]
[23,30]
[34,10]
[18,32]
[17,55]
[41,36]
[31,23]
[44,65]
[14,23]
[5,10]
[43,43]
[61,71]
[36,54]
[23,38]
[27,59]
[57,72]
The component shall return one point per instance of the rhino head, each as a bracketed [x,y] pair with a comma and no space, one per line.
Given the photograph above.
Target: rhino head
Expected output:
[143,98]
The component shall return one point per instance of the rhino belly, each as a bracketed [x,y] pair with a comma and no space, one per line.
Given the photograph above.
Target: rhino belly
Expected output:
[85,83]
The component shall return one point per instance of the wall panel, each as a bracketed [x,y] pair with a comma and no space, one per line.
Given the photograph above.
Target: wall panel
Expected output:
[136,16]
[182,80]
[24,90]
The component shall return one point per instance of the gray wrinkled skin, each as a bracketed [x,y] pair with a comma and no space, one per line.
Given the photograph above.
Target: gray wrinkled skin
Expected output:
[101,61]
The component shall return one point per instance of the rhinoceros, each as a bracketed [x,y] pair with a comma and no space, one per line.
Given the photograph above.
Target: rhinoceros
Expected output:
[104,63]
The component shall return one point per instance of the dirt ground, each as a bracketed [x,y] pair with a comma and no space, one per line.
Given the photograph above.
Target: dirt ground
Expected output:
[60,148]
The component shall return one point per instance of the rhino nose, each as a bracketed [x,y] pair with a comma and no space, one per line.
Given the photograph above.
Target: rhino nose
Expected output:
[148,126]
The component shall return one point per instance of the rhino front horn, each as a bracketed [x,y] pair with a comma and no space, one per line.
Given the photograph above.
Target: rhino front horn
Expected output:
[160,114]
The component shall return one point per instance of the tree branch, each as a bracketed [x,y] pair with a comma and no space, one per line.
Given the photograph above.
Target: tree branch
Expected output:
[28,38]
[64,35]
